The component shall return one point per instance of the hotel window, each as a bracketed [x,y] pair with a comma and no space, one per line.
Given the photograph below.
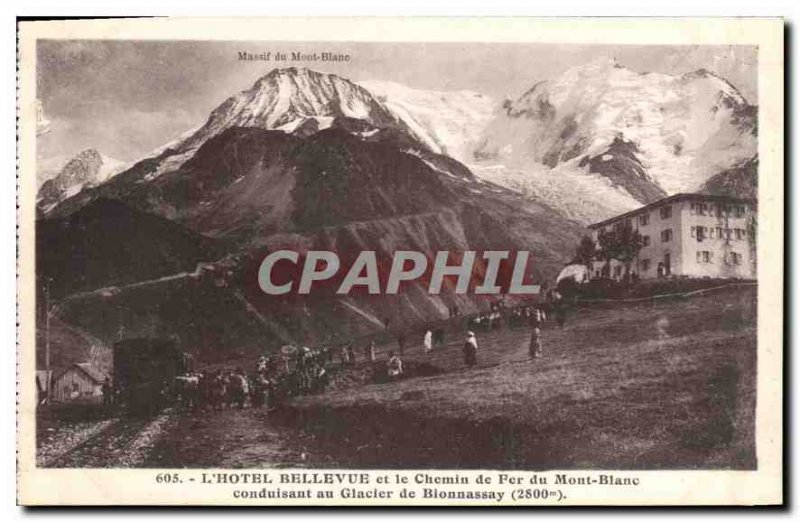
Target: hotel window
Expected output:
[736,258]
[644,265]
[644,219]
[740,211]
[666,235]
[645,241]
[711,231]
[617,271]
[703,256]
[701,233]
[740,233]
[697,208]
[666,212]
[719,233]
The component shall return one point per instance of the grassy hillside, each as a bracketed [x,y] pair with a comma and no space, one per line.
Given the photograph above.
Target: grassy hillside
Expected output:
[108,243]
[69,345]
[655,385]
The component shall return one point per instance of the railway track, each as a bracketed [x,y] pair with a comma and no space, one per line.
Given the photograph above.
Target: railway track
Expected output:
[122,443]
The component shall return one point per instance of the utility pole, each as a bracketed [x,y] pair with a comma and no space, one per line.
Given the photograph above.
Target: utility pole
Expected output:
[47,331]
[49,312]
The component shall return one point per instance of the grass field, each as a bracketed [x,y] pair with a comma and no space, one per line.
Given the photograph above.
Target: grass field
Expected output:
[666,385]
[647,385]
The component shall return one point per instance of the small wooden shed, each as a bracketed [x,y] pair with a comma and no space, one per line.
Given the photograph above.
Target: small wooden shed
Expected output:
[79,381]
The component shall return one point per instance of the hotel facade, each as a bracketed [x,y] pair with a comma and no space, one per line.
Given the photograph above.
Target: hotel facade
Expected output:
[689,235]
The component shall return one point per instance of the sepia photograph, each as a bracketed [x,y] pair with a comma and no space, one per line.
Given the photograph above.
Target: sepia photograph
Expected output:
[439,256]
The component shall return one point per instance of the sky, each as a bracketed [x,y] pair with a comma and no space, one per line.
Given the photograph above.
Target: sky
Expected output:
[126,98]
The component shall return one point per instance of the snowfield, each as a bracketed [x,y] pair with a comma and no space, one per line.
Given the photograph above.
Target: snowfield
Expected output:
[577,194]
[448,122]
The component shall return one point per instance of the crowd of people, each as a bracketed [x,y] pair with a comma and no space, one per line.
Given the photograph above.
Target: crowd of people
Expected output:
[500,316]
[294,370]
[217,389]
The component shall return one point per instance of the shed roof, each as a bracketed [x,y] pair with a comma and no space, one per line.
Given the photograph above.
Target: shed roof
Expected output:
[90,370]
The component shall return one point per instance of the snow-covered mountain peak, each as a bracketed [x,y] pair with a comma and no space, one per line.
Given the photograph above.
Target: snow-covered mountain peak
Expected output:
[584,86]
[288,99]
[91,166]
[88,168]
[679,130]
[301,102]
[599,68]
[300,92]
[285,99]
[285,95]
[716,83]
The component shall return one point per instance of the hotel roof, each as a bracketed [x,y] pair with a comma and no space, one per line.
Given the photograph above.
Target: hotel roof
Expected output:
[669,199]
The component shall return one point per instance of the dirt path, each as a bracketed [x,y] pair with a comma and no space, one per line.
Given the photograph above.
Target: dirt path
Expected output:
[232,438]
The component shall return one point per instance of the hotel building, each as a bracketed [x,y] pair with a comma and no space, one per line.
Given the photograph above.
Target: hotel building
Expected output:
[692,235]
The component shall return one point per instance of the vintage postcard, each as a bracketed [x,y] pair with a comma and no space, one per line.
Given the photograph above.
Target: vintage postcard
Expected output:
[432,261]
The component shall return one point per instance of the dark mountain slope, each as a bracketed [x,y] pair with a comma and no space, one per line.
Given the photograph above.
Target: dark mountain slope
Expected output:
[256,191]
[740,181]
[300,161]
[108,243]
[620,164]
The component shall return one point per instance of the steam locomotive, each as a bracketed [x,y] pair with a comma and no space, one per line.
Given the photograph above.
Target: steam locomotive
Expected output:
[145,371]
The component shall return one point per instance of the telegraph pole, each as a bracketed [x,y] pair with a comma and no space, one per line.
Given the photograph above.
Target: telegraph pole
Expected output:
[47,332]
[49,311]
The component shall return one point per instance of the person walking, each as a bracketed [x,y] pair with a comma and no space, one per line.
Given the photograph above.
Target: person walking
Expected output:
[108,393]
[535,346]
[394,367]
[369,352]
[471,350]
[427,341]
